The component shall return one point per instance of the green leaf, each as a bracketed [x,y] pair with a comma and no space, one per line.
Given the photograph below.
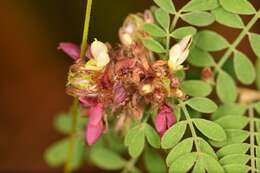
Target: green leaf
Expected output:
[238,6]
[211,164]
[233,136]
[227,18]
[153,45]
[257,107]
[206,148]
[210,129]
[136,145]
[198,18]
[154,162]
[183,31]
[130,135]
[183,163]
[233,122]
[154,30]
[226,88]
[173,135]
[241,62]
[180,149]
[257,73]
[196,88]
[240,148]
[163,18]
[152,136]
[56,154]
[106,159]
[78,154]
[166,5]
[229,109]
[210,41]
[235,159]
[200,58]
[202,104]
[199,167]
[255,42]
[114,142]
[236,168]
[200,5]
[63,123]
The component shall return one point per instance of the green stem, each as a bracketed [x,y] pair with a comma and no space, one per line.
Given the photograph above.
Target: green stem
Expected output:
[74,116]
[238,40]
[192,129]
[168,37]
[175,20]
[252,137]
[168,40]
[130,165]
[74,109]
[84,42]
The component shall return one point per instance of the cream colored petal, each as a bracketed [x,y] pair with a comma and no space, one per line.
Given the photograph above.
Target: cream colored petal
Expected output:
[175,53]
[102,59]
[97,47]
[183,57]
[185,42]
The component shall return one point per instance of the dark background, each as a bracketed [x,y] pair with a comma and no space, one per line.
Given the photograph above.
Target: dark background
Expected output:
[33,73]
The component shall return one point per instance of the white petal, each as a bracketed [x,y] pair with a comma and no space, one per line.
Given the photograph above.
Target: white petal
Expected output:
[102,59]
[185,42]
[183,57]
[175,53]
[98,47]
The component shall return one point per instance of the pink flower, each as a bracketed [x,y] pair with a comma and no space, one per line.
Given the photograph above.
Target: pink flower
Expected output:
[95,125]
[70,49]
[73,50]
[88,101]
[164,119]
[94,132]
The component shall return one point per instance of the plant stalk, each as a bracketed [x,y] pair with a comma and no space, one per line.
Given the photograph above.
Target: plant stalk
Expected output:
[70,155]
[84,42]
[252,138]
[129,165]
[238,40]
[74,109]
[192,129]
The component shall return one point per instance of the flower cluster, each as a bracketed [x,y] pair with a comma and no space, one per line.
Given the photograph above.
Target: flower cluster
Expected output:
[123,80]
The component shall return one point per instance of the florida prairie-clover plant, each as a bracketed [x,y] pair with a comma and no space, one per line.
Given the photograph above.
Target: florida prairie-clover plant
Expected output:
[161,101]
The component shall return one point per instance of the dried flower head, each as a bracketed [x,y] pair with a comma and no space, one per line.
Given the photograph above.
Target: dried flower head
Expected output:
[125,79]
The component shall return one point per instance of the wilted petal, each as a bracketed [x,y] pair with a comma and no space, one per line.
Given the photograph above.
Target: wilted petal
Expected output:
[95,114]
[88,101]
[105,81]
[93,132]
[120,93]
[70,49]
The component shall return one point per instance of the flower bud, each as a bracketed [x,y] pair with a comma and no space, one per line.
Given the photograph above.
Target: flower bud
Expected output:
[164,119]
[206,73]
[131,30]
